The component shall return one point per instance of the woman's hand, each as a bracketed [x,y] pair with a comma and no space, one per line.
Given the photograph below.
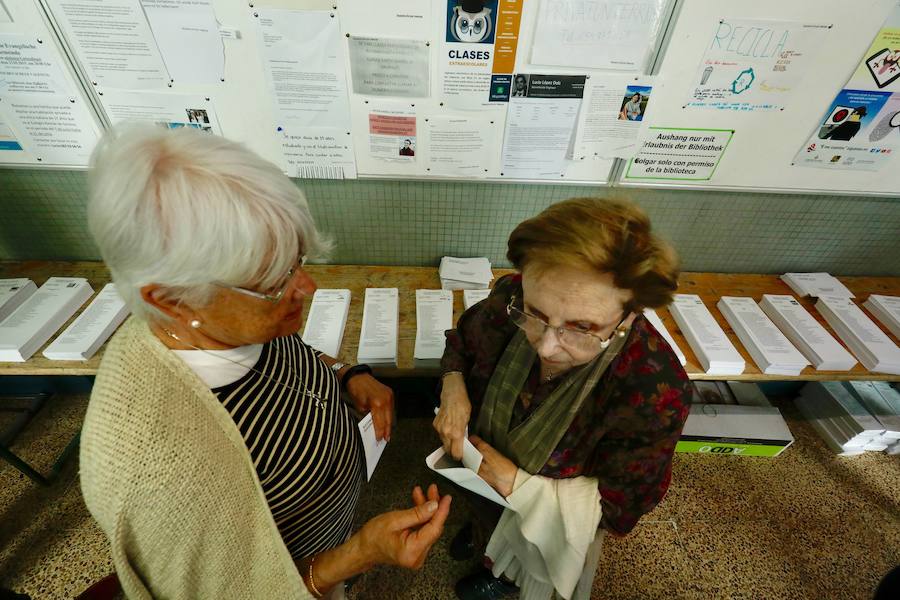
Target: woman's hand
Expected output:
[369,394]
[496,469]
[453,416]
[404,537]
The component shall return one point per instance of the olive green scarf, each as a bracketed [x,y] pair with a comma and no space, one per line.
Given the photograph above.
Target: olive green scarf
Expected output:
[530,443]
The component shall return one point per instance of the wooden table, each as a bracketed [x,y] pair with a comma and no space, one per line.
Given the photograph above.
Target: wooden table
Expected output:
[709,286]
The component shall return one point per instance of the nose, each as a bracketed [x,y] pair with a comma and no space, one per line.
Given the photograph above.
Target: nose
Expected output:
[548,345]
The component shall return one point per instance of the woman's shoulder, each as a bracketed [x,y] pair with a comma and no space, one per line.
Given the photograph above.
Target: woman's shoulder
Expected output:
[647,360]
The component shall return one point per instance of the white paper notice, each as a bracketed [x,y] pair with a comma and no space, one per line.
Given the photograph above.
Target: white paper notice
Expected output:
[55,129]
[410,19]
[187,34]
[372,448]
[319,153]
[679,154]
[753,64]
[460,146]
[597,34]
[303,59]
[170,110]
[28,66]
[392,134]
[113,39]
[464,476]
[388,67]
[611,116]
[539,127]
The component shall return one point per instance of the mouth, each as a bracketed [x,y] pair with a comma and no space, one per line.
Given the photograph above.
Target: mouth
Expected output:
[293,315]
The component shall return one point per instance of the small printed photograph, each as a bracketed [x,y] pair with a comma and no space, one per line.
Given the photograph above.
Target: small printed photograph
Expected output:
[634,104]
[471,21]
[520,86]
[197,115]
[408,147]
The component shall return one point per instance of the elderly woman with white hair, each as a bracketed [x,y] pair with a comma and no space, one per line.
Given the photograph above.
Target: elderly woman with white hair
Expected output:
[217,455]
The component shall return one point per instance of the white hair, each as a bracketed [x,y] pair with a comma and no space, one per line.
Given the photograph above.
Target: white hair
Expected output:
[186,209]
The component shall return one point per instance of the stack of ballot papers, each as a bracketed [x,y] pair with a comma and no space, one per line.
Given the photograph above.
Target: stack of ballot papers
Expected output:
[883,402]
[838,416]
[13,292]
[327,319]
[769,348]
[871,346]
[734,429]
[378,336]
[24,331]
[661,328]
[465,273]
[885,308]
[473,297]
[748,394]
[434,316]
[816,284]
[91,328]
[716,353]
[808,336]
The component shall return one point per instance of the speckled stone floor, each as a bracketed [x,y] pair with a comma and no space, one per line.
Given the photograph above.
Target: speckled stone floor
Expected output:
[805,525]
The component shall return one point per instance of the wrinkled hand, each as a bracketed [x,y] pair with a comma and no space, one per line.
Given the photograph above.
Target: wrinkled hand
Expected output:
[369,394]
[496,469]
[404,537]
[453,416]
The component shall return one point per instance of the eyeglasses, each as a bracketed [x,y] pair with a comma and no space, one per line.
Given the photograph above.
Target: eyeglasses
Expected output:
[574,339]
[273,295]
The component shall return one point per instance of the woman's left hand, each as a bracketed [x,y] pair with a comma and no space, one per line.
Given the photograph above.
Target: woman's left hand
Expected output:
[369,394]
[496,469]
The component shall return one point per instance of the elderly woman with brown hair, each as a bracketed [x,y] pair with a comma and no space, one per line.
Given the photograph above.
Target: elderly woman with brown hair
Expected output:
[575,400]
[217,454]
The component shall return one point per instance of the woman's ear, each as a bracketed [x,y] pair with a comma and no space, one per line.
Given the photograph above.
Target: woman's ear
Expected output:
[158,297]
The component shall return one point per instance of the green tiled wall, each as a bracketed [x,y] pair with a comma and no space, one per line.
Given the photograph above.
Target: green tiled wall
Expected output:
[415,223]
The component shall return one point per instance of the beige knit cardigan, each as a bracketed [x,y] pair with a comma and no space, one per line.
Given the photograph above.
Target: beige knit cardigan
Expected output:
[166,474]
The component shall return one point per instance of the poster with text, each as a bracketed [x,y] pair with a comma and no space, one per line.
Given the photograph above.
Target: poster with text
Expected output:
[676,154]
[880,67]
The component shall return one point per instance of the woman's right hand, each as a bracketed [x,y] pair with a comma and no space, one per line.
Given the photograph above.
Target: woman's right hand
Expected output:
[453,417]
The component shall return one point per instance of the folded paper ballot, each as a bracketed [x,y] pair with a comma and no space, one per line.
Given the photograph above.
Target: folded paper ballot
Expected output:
[716,353]
[661,328]
[378,335]
[772,352]
[13,292]
[866,341]
[473,297]
[465,473]
[816,284]
[91,328]
[887,310]
[806,333]
[372,448]
[465,273]
[33,323]
[327,319]
[434,316]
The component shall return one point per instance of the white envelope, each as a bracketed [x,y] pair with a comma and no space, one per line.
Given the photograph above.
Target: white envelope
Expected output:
[462,474]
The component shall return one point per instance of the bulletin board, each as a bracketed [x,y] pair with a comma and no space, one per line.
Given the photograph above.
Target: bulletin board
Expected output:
[770,124]
[241,77]
[40,90]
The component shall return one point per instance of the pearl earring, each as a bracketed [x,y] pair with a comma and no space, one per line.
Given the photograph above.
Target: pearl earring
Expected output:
[195,324]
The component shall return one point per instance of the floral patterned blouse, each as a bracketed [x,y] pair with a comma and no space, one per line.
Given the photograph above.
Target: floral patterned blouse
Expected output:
[626,431]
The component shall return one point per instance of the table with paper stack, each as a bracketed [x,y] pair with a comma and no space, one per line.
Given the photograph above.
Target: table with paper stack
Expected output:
[709,286]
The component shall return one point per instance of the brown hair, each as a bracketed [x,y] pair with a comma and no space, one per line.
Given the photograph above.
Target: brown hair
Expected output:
[601,235]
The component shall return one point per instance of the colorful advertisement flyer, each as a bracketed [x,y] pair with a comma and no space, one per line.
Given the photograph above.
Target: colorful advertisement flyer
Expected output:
[752,64]
[676,154]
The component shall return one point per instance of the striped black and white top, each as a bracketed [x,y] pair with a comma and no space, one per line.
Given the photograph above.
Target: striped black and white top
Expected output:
[305,445]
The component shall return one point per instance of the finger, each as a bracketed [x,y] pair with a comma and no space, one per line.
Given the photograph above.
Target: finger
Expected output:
[429,533]
[456,448]
[412,517]
[387,419]
[433,493]
[418,497]
[475,440]
[380,425]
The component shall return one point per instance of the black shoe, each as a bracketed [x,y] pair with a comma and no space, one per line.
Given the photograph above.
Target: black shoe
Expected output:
[462,547]
[482,585]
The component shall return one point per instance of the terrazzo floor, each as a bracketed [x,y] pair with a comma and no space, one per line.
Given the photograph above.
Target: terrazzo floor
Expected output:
[805,525]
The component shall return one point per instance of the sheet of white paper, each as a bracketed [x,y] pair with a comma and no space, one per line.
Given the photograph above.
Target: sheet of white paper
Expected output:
[187,34]
[611,115]
[28,66]
[5,16]
[463,476]
[113,40]
[460,146]
[372,448]
[389,67]
[473,297]
[319,153]
[170,110]
[597,34]
[392,133]
[327,318]
[410,19]
[434,316]
[303,60]
[57,130]
[537,137]
[378,333]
